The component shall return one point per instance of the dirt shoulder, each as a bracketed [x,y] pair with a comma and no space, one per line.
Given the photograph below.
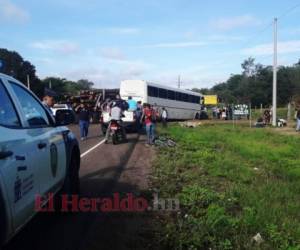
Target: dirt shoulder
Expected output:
[139,166]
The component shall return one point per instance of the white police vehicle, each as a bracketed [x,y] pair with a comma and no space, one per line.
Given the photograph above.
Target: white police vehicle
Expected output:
[38,155]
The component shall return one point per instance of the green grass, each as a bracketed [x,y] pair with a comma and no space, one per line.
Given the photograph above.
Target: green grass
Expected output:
[232,183]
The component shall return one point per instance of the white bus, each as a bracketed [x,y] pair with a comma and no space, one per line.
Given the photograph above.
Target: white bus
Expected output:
[180,104]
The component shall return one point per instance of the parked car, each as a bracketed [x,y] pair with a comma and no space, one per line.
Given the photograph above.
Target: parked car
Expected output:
[129,120]
[60,107]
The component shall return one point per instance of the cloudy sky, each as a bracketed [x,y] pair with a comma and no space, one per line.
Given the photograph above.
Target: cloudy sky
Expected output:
[155,40]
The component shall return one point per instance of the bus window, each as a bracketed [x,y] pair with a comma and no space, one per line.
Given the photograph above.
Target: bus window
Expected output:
[152,91]
[185,97]
[171,95]
[178,96]
[162,93]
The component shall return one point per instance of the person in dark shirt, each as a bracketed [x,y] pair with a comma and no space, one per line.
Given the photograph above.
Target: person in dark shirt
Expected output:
[84,121]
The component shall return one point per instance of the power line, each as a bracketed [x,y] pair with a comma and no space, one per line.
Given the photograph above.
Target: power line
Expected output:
[259,33]
[288,11]
[284,14]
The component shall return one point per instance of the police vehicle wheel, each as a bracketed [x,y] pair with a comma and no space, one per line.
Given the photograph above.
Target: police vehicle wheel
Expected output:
[2,222]
[72,183]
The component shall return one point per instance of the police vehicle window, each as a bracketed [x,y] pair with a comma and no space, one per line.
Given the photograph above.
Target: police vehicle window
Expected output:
[35,114]
[8,114]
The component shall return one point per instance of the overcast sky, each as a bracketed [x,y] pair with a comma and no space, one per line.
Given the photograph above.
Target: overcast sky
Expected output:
[156,40]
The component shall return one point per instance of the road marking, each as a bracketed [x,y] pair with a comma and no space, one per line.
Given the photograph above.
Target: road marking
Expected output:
[91,149]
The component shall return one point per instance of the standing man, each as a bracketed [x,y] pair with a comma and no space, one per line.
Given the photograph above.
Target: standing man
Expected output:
[148,116]
[132,104]
[298,120]
[139,112]
[84,121]
[48,99]
[164,117]
[122,104]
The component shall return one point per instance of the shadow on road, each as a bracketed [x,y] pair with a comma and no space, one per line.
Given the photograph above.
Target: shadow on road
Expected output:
[91,230]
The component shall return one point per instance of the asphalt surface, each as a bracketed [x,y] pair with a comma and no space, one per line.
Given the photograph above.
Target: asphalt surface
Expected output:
[100,177]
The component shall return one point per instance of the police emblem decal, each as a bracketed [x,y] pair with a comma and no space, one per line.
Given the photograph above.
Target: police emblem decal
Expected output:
[53,159]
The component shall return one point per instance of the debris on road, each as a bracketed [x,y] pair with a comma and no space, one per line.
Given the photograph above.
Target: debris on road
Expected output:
[190,124]
[162,141]
[258,239]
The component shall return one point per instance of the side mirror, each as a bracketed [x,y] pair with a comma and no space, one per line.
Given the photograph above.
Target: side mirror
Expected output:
[64,117]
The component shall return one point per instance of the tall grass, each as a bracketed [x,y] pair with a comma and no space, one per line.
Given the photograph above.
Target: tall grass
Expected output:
[232,184]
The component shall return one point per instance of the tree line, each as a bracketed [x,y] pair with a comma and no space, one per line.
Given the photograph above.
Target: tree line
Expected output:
[254,85]
[13,64]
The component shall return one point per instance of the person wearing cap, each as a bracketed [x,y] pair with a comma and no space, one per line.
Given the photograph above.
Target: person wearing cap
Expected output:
[48,99]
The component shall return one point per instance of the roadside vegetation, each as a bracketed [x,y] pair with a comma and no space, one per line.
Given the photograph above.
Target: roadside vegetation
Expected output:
[254,85]
[16,66]
[282,113]
[233,184]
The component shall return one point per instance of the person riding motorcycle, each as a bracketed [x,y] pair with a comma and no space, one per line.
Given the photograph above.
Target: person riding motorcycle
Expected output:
[116,114]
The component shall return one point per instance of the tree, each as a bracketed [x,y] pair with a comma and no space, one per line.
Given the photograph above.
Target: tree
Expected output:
[85,84]
[15,66]
[255,85]
[248,67]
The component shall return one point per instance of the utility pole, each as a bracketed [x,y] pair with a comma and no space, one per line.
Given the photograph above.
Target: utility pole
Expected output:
[28,82]
[274,113]
[179,81]
[50,85]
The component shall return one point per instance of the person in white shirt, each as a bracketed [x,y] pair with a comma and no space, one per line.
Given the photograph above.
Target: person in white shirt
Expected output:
[164,117]
[116,114]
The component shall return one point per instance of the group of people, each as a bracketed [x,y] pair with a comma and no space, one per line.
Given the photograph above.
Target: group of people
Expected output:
[225,113]
[146,116]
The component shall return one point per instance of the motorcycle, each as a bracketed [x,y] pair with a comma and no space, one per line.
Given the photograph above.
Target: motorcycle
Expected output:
[116,132]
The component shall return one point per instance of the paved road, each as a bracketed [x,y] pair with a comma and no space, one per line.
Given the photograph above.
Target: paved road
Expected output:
[100,176]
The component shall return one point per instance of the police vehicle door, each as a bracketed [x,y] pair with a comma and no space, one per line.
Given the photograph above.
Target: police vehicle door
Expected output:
[17,169]
[49,153]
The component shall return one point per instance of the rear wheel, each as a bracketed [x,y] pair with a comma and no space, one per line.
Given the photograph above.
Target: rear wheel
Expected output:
[197,116]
